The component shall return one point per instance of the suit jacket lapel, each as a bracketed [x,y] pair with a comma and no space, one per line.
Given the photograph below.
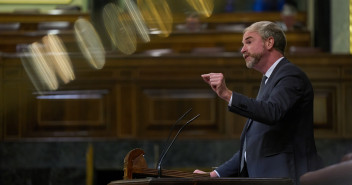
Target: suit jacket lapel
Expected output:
[281,63]
[264,88]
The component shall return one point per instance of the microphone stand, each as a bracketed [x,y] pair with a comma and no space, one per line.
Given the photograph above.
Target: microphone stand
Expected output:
[172,142]
[170,132]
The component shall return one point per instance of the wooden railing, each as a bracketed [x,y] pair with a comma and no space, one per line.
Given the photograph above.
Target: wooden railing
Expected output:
[30,21]
[32,27]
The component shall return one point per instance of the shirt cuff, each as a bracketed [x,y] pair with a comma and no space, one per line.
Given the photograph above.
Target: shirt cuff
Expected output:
[217,173]
[230,102]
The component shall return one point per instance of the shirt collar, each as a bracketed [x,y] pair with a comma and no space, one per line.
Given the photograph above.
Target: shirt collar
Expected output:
[272,67]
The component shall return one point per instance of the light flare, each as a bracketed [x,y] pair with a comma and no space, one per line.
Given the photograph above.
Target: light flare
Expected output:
[42,70]
[137,19]
[158,15]
[120,29]
[89,43]
[56,53]
[203,7]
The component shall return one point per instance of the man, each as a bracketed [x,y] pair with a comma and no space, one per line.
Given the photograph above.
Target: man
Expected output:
[288,17]
[278,139]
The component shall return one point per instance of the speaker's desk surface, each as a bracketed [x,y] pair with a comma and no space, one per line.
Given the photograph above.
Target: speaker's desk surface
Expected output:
[204,181]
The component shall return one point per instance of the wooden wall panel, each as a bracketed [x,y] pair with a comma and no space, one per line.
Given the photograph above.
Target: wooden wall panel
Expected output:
[140,97]
[1,103]
[347,107]
[328,110]
[65,110]
[12,100]
[127,115]
[160,108]
[347,73]
[323,72]
[11,110]
[325,107]
[79,113]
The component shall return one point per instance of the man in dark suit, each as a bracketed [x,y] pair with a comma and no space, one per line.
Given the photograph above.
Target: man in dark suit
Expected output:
[278,139]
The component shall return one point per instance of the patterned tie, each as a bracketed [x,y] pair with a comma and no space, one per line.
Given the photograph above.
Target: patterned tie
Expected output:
[262,84]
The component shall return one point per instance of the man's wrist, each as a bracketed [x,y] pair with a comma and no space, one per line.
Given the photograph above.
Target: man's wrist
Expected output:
[214,174]
[228,96]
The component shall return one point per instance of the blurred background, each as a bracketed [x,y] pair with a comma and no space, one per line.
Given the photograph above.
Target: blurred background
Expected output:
[83,82]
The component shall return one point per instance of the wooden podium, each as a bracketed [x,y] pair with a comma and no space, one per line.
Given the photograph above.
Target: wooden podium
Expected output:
[135,166]
[204,181]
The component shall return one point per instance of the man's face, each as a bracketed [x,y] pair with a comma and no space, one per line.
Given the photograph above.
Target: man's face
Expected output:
[253,48]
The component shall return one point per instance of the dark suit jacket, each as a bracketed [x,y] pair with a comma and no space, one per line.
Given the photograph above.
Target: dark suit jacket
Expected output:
[279,131]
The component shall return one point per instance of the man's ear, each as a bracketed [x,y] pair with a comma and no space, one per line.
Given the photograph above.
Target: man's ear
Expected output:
[269,43]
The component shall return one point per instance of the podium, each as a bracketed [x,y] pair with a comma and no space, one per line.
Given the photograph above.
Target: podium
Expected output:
[204,181]
[135,166]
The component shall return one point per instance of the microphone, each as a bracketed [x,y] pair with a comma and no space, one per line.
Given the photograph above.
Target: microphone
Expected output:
[172,142]
[170,132]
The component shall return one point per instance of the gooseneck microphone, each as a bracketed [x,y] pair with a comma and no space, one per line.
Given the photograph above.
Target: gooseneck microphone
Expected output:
[170,132]
[172,142]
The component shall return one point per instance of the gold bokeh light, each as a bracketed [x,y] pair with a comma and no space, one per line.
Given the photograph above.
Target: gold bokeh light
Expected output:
[137,19]
[57,54]
[120,28]
[42,71]
[90,43]
[203,7]
[157,15]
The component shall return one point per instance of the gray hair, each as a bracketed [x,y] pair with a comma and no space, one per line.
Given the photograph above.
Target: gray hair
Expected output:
[268,29]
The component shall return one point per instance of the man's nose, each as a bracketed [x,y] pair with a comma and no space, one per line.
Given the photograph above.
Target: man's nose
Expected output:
[243,49]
